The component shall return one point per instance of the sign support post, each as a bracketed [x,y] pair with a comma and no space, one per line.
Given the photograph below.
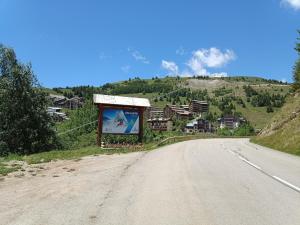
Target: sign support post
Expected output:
[100,122]
[141,123]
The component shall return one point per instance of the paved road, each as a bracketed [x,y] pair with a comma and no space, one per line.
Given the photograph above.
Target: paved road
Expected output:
[213,181]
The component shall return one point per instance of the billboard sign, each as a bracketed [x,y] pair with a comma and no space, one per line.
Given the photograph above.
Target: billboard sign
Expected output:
[120,121]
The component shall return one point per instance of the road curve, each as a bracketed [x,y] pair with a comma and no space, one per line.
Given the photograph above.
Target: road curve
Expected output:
[209,181]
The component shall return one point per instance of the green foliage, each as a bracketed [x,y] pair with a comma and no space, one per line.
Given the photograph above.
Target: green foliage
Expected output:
[209,116]
[244,130]
[179,125]
[73,154]
[265,99]
[4,169]
[222,91]
[120,139]
[296,84]
[25,126]
[249,91]
[226,106]
[138,85]
[80,129]
[225,132]
[270,109]
[240,101]
[86,91]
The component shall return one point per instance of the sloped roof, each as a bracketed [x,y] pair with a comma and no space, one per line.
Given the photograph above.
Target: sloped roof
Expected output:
[56,96]
[121,100]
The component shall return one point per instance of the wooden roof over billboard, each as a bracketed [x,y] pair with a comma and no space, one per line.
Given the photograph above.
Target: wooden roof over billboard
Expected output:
[120,100]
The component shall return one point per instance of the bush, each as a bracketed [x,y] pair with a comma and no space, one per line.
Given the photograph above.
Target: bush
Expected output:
[225,132]
[4,150]
[270,109]
[244,130]
[81,135]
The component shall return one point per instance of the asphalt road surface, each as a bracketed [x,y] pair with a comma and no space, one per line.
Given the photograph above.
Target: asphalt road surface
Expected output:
[201,182]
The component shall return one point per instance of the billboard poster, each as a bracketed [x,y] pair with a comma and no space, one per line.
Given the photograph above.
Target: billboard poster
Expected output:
[120,121]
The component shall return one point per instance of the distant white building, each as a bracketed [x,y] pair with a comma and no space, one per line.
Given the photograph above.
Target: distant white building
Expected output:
[191,127]
[198,125]
[57,114]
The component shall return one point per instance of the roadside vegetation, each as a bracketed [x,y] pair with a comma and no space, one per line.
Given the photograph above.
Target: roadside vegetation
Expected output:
[283,132]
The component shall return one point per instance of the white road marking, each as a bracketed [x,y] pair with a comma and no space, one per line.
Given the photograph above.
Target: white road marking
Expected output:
[232,152]
[266,173]
[250,163]
[287,183]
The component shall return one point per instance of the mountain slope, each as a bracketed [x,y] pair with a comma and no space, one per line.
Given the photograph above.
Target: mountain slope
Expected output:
[283,132]
[180,90]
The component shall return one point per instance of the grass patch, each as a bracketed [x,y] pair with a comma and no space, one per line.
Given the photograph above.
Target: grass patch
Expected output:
[278,144]
[72,154]
[4,169]
[93,150]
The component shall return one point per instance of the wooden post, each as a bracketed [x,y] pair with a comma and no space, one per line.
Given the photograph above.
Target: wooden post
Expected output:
[141,124]
[100,122]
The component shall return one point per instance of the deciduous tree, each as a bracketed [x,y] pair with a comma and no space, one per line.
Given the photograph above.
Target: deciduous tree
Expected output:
[25,126]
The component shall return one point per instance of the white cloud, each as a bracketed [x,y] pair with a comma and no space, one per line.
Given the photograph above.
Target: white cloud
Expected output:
[170,66]
[213,57]
[138,56]
[180,51]
[209,58]
[283,80]
[201,61]
[125,69]
[295,4]
[222,74]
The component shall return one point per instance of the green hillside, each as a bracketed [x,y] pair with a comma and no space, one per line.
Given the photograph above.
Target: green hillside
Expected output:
[283,132]
[218,90]
[225,95]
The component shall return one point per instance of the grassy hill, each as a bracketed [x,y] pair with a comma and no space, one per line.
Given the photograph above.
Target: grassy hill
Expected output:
[283,132]
[258,116]
[180,90]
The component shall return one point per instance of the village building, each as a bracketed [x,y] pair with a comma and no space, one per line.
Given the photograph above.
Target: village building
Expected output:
[183,115]
[204,126]
[230,122]
[185,107]
[72,103]
[56,100]
[57,114]
[160,124]
[191,127]
[64,102]
[198,106]
[171,111]
[198,125]
[154,112]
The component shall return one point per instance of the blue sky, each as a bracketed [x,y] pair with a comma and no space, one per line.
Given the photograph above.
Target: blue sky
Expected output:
[74,42]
